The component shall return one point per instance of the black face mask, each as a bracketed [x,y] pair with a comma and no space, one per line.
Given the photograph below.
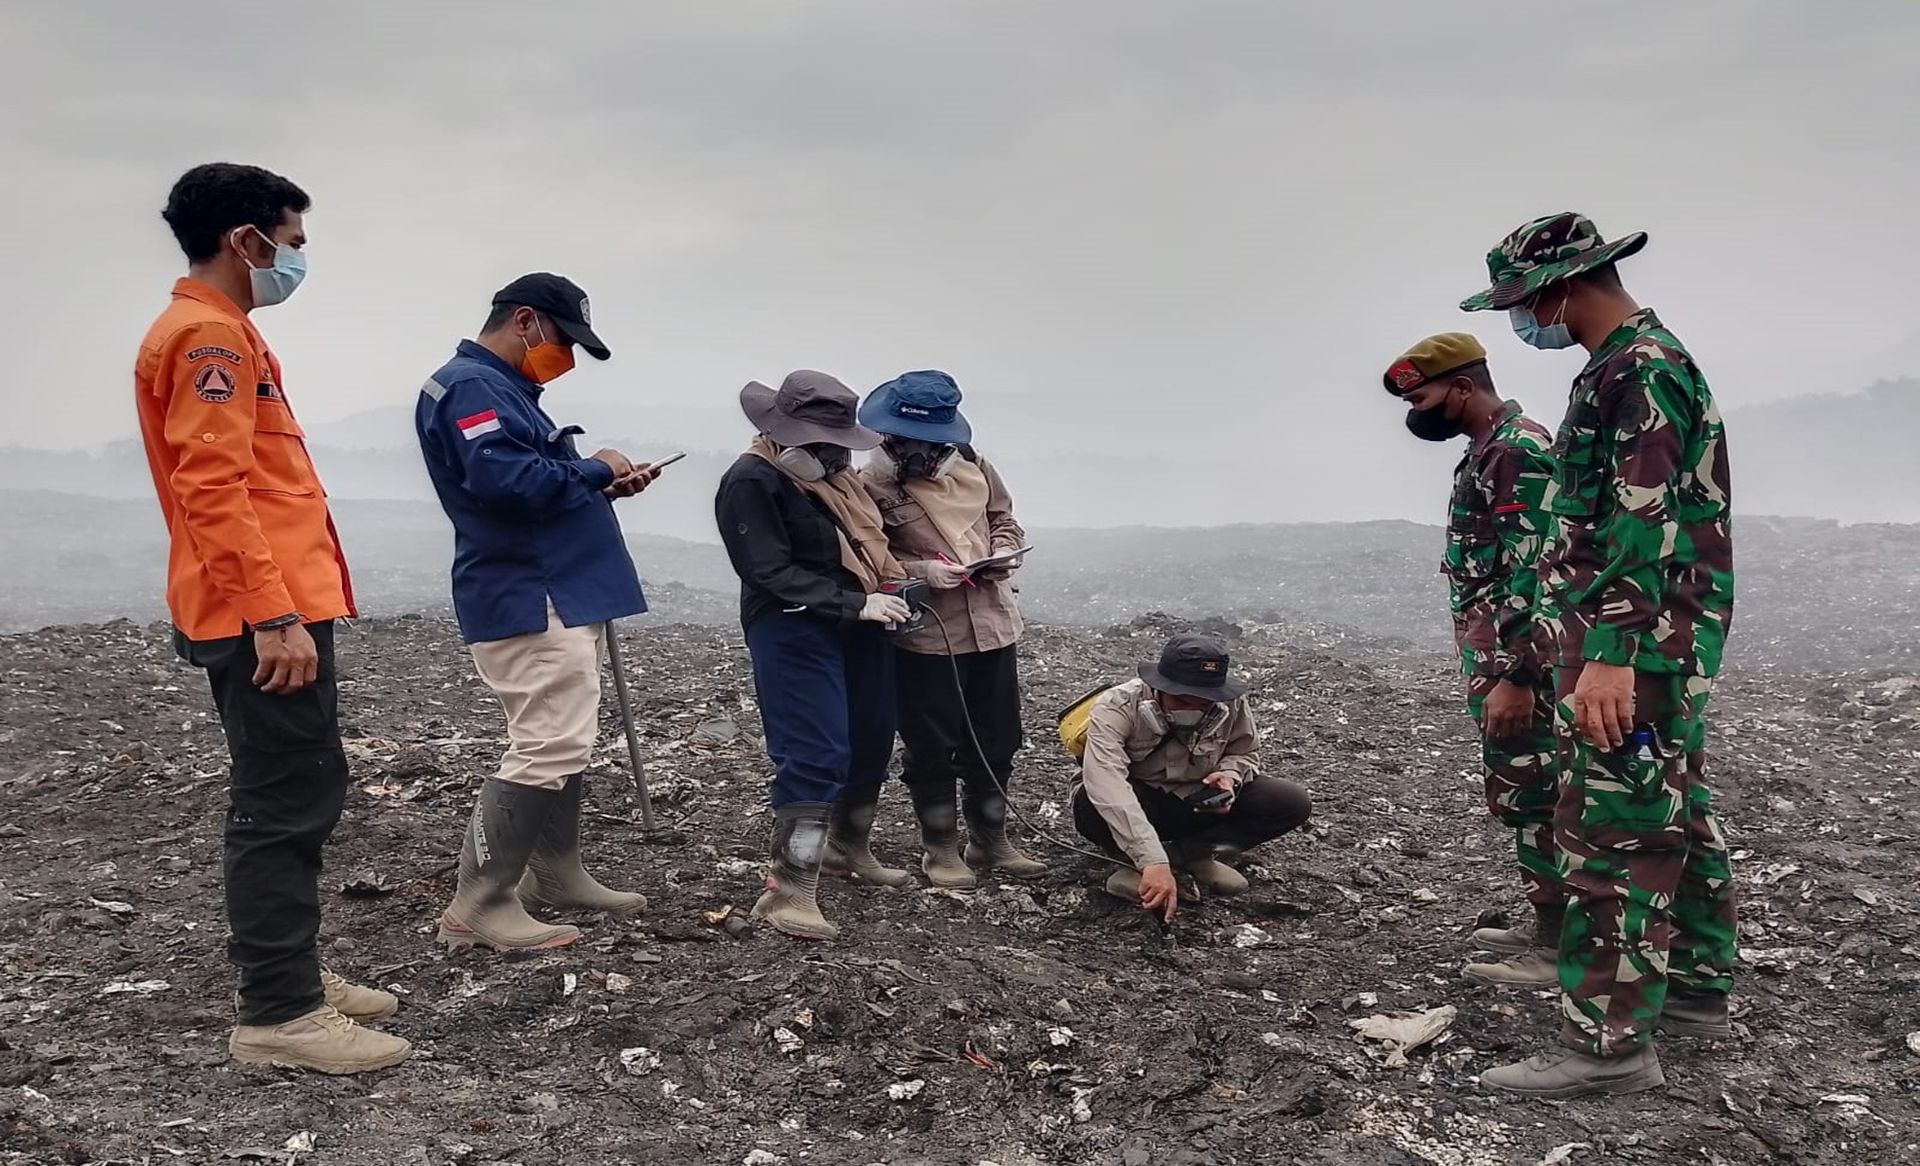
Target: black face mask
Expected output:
[833,458]
[921,462]
[1434,424]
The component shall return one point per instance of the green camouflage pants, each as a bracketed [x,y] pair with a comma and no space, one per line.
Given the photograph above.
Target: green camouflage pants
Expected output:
[1522,786]
[1649,885]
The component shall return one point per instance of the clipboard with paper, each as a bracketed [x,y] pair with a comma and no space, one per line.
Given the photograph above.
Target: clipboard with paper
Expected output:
[999,560]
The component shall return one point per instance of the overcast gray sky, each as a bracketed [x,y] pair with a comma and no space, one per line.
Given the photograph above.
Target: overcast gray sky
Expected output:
[1193,233]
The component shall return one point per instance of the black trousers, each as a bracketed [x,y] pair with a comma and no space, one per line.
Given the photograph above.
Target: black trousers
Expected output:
[937,750]
[1264,809]
[289,783]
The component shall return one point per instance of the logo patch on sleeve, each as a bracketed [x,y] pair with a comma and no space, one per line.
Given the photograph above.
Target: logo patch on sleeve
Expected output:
[479,425]
[206,350]
[214,385]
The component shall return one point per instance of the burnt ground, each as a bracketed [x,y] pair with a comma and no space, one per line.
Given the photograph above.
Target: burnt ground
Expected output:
[1020,1024]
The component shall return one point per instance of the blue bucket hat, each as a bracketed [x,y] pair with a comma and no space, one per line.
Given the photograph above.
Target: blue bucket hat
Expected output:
[924,406]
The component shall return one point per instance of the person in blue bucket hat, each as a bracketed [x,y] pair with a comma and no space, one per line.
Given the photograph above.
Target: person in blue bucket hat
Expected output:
[944,507]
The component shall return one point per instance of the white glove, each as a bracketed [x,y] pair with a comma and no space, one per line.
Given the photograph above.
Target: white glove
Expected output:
[887,609]
[945,576]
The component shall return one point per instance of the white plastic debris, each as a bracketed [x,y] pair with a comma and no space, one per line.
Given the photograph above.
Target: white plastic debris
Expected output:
[1271,1039]
[1247,935]
[112,906]
[787,1041]
[1913,1043]
[1402,1032]
[760,1158]
[1060,1037]
[1423,895]
[1560,1154]
[618,983]
[639,1061]
[135,987]
[905,1090]
[569,983]
[300,1143]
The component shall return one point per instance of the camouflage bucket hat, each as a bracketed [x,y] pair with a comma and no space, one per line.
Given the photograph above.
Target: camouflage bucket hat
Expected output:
[1546,251]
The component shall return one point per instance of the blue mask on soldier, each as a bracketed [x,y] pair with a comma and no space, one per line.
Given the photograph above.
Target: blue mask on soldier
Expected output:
[1530,331]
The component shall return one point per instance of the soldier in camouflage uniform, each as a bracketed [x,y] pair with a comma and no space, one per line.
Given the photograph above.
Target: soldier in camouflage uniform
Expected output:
[1496,530]
[1637,594]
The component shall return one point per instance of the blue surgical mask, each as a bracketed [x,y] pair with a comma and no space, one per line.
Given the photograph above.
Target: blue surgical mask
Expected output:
[1531,331]
[272,285]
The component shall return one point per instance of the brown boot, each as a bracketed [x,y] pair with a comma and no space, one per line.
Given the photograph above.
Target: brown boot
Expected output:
[1701,1015]
[356,1003]
[1538,968]
[988,847]
[790,903]
[1559,1074]
[556,879]
[322,1040]
[1542,932]
[940,835]
[507,821]
[849,852]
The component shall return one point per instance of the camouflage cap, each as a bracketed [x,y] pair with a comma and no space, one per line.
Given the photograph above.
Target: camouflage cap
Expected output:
[1546,251]
[1431,359]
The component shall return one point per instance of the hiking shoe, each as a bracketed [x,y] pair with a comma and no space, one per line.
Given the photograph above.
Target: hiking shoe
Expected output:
[1538,968]
[1543,931]
[323,1040]
[355,1002]
[1700,1015]
[1561,1073]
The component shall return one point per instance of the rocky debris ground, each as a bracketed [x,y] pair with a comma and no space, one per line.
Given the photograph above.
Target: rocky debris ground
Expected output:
[1019,1024]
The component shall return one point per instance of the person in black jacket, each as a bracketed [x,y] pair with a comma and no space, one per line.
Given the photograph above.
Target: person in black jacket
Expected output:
[807,543]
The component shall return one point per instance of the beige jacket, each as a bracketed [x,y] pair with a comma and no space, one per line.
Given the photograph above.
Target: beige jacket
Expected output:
[981,618]
[1123,748]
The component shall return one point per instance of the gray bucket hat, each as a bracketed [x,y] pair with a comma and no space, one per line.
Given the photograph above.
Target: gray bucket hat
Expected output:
[808,407]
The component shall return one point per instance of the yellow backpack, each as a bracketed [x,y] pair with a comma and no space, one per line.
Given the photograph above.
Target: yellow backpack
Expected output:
[1076,720]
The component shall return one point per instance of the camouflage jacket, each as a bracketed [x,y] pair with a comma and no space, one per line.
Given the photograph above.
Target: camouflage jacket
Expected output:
[1495,535]
[1640,568]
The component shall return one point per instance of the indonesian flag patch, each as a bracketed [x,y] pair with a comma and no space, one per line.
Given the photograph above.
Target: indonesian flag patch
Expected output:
[479,425]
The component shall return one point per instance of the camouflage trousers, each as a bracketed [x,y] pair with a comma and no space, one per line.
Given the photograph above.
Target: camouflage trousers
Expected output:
[1649,884]
[1523,777]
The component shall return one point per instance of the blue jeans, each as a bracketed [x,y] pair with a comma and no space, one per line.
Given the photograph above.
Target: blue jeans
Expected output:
[826,704]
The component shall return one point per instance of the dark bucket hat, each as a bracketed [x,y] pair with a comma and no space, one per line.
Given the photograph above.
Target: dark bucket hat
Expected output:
[808,407]
[1543,252]
[1193,664]
[923,405]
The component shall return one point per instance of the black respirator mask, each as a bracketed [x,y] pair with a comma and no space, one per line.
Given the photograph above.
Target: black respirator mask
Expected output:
[921,461]
[1434,424]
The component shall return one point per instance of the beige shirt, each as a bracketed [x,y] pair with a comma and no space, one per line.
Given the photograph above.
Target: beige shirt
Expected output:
[1123,748]
[982,618]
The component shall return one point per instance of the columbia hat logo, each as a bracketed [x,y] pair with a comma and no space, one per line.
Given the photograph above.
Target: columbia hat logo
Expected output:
[586,312]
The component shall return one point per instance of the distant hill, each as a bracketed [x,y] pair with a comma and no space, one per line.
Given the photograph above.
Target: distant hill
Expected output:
[1848,456]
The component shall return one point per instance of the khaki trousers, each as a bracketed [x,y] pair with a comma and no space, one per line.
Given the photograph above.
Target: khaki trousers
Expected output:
[549,684]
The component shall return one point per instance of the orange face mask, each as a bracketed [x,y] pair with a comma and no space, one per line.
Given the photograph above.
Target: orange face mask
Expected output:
[546,360]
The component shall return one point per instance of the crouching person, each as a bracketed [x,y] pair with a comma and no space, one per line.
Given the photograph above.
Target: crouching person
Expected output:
[1170,780]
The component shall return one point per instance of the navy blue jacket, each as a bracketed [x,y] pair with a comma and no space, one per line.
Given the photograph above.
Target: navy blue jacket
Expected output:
[529,521]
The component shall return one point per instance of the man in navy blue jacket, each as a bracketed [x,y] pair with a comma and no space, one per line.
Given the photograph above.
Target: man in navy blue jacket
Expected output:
[539,570]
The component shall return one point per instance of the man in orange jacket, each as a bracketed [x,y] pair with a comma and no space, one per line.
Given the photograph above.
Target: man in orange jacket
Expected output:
[254,581]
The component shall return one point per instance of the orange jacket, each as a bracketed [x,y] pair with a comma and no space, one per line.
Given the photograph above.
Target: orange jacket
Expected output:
[252,539]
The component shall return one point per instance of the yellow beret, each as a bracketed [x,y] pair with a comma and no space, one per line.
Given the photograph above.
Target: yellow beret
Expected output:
[1432,358]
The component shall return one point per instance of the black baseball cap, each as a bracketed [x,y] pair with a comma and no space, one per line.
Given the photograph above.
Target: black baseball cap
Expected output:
[561,298]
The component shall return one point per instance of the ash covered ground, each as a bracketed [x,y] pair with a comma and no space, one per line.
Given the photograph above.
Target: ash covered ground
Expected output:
[1019,1024]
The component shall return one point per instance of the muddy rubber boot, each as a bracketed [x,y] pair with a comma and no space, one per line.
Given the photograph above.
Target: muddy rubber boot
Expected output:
[790,902]
[1124,884]
[556,879]
[849,850]
[354,1002]
[1701,1015]
[507,821]
[1542,932]
[940,836]
[1559,1074]
[323,1040]
[1200,860]
[988,847]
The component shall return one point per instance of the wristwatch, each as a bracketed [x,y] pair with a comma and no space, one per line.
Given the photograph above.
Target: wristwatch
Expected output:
[280,621]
